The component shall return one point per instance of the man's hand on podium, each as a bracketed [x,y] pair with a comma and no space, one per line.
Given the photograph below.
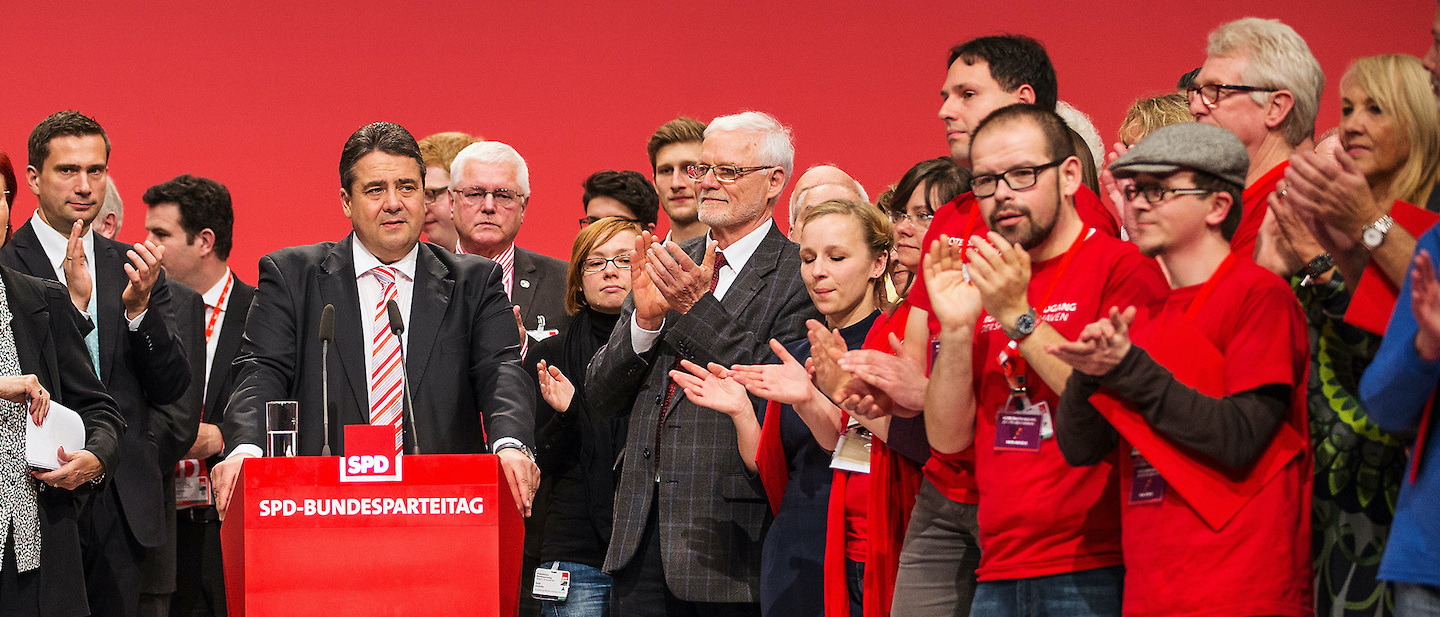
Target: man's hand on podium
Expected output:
[521,472]
[223,477]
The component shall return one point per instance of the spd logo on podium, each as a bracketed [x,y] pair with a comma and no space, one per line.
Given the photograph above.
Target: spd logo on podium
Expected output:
[370,454]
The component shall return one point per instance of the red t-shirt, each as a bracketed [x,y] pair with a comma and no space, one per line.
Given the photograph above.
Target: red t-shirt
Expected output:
[1258,563]
[1253,210]
[1038,515]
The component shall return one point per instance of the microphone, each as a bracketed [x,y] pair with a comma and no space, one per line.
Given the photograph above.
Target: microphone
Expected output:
[327,335]
[397,325]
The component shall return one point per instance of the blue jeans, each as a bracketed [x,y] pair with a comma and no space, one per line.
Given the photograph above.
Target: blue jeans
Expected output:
[589,592]
[1088,593]
[1413,600]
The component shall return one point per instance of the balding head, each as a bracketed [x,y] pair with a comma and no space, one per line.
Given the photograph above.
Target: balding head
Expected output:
[819,184]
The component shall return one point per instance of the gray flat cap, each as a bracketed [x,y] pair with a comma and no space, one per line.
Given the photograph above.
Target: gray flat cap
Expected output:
[1189,145]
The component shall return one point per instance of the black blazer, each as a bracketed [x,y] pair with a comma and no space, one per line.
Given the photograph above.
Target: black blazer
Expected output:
[462,357]
[47,337]
[222,368]
[140,369]
[539,290]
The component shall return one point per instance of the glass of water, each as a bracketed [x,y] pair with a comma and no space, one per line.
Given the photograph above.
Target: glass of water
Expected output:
[282,422]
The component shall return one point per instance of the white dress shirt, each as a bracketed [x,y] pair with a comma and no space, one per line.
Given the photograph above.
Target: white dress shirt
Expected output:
[219,306]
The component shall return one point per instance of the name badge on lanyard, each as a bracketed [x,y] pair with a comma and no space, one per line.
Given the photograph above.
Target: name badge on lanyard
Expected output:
[1020,425]
[1147,486]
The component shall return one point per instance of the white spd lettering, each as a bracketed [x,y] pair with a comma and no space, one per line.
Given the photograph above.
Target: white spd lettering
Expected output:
[278,507]
[363,464]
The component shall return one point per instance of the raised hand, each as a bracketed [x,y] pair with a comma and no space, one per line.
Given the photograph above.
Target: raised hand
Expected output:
[679,279]
[143,270]
[555,388]
[955,302]
[1001,271]
[1425,303]
[650,304]
[900,376]
[713,387]
[1101,345]
[825,354]
[787,382]
[77,277]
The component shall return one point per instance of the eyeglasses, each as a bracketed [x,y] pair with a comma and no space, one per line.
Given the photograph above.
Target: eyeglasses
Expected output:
[589,220]
[504,198]
[1156,194]
[432,195]
[1211,94]
[591,265]
[1017,179]
[724,173]
[922,219]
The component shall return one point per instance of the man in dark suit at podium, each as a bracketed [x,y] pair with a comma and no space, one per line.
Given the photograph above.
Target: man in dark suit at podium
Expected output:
[461,349]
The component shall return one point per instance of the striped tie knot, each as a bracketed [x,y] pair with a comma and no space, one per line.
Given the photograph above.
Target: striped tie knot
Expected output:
[386,276]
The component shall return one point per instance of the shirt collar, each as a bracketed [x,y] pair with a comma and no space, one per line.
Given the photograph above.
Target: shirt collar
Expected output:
[365,260]
[56,243]
[740,251]
[212,295]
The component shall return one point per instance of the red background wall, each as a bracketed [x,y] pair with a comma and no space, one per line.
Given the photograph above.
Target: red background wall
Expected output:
[261,95]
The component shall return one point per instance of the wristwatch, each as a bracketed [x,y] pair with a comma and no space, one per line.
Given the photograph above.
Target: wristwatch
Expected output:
[1024,325]
[1318,266]
[518,446]
[1373,235]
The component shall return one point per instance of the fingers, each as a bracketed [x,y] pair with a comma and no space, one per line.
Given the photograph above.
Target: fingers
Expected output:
[39,399]
[782,353]
[75,247]
[693,369]
[720,372]
[1122,319]
[686,381]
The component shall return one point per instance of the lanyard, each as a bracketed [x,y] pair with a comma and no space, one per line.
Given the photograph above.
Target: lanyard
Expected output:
[1209,287]
[1012,362]
[219,306]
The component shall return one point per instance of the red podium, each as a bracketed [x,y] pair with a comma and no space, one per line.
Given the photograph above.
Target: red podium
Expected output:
[437,534]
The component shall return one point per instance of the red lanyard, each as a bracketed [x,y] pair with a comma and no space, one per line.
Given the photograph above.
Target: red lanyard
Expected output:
[215,310]
[1012,362]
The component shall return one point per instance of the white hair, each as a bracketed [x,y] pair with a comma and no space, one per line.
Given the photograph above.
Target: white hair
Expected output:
[776,145]
[1080,123]
[490,152]
[1275,57]
[112,203]
[797,197]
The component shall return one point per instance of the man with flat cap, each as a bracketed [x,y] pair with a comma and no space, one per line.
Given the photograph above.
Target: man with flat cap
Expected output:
[1205,397]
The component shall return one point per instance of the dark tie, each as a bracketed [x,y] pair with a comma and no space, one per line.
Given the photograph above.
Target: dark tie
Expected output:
[670,383]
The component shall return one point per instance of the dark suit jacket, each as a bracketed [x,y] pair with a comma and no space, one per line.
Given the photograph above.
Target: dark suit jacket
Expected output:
[139,369]
[222,368]
[711,513]
[462,358]
[47,337]
[539,290]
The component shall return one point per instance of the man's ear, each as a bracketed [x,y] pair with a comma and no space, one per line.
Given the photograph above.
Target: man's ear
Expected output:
[1219,209]
[207,240]
[777,183]
[345,202]
[1026,94]
[1282,102]
[1072,173]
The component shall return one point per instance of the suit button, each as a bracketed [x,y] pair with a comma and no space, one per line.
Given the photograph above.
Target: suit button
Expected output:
[646,452]
[659,398]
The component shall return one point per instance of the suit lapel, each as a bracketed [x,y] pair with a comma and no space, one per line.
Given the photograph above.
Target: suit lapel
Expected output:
[30,315]
[522,288]
[428,302]
[31,254]
[107,301]
[337,287]
[748,281]
[232,333]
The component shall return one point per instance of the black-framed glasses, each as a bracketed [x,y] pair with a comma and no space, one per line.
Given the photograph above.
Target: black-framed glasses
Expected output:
[1156,194]
[922,219]
[591,265]
[1212,93]
[1018,179]
[433,195]
[475,196]
[724,173]
[591,220]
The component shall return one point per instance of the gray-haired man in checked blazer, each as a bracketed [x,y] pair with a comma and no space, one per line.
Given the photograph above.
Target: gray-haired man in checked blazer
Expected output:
[688,519]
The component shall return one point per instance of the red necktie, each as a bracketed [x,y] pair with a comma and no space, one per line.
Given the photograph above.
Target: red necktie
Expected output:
[385,387]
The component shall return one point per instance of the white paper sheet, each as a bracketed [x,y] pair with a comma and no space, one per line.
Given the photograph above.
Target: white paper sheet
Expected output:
[62,427]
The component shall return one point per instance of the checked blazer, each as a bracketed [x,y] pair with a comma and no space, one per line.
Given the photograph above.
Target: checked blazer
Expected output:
[711,513]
